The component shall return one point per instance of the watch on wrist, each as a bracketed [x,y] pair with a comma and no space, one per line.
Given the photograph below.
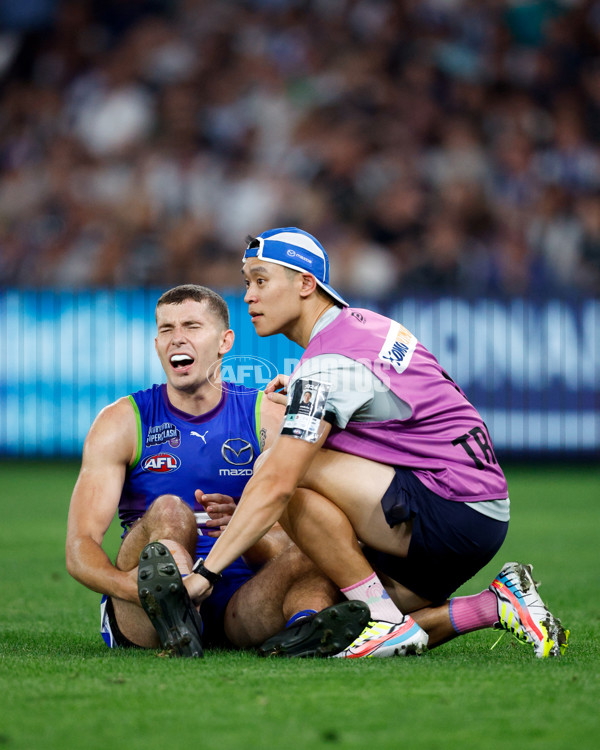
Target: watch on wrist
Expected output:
[211,577]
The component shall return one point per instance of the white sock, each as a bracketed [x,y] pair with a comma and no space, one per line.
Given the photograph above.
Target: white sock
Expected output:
[371,591]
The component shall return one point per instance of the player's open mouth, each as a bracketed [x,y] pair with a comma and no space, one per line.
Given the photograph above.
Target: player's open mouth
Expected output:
[181,361]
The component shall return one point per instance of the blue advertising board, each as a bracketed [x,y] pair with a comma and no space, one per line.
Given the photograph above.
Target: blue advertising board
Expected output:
[531,368]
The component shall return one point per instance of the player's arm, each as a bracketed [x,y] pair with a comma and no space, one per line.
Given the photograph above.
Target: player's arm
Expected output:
[271,417]
[109,448]
[263,501]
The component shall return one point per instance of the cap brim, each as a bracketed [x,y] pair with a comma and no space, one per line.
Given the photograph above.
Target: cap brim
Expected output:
[332,293]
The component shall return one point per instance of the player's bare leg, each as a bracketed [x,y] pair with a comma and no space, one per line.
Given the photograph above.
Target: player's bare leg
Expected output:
[263,605]
[270,546]
[172,522]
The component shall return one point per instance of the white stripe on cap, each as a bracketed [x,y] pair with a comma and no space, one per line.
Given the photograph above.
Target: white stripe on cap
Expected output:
[300,240]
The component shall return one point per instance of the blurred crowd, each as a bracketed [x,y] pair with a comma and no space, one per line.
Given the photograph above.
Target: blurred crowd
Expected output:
[433,146]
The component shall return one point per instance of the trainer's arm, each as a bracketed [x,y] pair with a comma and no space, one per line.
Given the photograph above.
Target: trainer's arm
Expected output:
[264,499]
[221,507]
[109,447]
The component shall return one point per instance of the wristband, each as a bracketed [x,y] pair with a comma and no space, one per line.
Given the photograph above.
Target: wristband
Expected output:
[211,577]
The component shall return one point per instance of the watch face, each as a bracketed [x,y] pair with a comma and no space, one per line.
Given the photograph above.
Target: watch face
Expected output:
[211,577]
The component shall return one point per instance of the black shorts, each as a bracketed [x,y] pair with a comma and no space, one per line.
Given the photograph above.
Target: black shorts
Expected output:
[450,541]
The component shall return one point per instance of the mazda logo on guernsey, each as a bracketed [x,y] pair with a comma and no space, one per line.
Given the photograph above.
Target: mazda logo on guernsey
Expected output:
[161,463]
[237,452]
[241,369]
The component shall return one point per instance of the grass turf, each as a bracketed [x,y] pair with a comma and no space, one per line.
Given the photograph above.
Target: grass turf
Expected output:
[61,688]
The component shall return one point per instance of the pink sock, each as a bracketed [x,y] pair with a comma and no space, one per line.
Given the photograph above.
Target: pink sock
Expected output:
[371,591]
[476,612]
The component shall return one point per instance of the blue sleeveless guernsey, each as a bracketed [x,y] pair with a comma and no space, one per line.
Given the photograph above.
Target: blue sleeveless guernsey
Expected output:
[178,453]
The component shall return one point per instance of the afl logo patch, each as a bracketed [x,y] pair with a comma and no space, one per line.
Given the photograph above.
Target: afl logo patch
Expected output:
[162,463]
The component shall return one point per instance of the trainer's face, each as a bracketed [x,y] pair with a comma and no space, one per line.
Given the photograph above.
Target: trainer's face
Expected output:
[190,343]
[271,295]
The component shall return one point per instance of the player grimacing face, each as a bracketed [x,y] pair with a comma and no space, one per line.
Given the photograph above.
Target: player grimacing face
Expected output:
[271,296]
[190,340]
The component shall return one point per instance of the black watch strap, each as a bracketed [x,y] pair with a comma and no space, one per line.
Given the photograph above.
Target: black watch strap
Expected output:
[211,577]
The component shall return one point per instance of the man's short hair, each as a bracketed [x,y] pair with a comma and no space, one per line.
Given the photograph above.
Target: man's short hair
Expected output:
[179,294]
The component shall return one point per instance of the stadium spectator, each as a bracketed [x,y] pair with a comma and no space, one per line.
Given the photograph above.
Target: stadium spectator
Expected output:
[162,458]
[125,125]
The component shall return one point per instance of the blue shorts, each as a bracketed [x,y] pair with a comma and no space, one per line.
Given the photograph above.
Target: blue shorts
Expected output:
[450,541]
[212,609]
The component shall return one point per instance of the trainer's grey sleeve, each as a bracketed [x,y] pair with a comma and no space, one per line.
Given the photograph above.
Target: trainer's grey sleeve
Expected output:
[352,386]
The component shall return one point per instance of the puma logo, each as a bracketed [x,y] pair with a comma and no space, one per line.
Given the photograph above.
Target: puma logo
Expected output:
[197,434]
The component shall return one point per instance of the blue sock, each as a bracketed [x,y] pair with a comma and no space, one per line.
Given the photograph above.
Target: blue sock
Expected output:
[300,615]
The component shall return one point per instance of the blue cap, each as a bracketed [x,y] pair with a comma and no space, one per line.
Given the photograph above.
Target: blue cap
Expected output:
[295,249]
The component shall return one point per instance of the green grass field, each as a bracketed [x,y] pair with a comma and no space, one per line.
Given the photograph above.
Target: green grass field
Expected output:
[61,688]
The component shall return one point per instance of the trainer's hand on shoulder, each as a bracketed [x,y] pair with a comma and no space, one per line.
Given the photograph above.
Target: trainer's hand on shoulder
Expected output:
[276,390]
[219,507]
